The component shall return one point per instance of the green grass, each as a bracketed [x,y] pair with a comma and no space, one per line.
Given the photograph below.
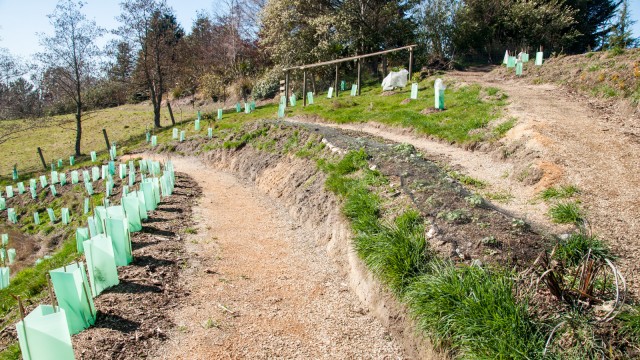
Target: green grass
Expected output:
[500,130]
[11,353]
[630,323]
[562,192]
[466,111]
[575,248]
[566,213]
[474,312]
[467,180]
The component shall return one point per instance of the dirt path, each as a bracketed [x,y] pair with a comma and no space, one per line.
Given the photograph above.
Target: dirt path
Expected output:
[569,141]
[260,289]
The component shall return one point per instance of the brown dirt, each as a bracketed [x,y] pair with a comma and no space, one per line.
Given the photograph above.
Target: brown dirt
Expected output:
[260,286]
[559,138]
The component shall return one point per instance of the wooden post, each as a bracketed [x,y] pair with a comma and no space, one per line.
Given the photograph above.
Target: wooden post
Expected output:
[304,88]
[410,63]
[106,139]
[286,88]
[44,164]
[359,63]
[173,120]
[336,85]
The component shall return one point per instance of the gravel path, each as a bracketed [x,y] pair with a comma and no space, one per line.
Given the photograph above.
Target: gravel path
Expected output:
[260,289]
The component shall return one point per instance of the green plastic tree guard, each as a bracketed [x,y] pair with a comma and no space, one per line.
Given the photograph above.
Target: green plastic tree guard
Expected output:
[132,211]
[154,141]
[108,188]
[63,179]
[11,255]
[292,100]
[142,204]
[52,215]
[85,176]
[182,135]
[82,235]
[3,203]
[5,239]
[34,194]
[72,160]
[93,156]
[21,188]
[414,91]
[281,111]
[60,163]
[511,63]
[539,56]
[74,297]
[238,107]
[3,254]
[11,214]
[33,183]
[343,85]
[174,134]
[65,216]
[95,173]
[505,60]
[100,215]
[220,114]
[43,181]
[519,68]
[198,114]
[101,264]
[125,190]
[209,133]
[310,98]
[283,100]
[132,178]
[247,108]
[36,218]
[439,88]
[54,192]
[354,90]
[91,224]
[9,191]
[44,334]
[4,277]
[122,170]
[148,135]
[196,126]
[118,231]
[86,206]
[156,190]
[330,93]
[74,177]
[89,188]
[104,172]
[524,57]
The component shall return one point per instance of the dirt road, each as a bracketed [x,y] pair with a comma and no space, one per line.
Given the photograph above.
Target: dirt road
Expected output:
[259,288]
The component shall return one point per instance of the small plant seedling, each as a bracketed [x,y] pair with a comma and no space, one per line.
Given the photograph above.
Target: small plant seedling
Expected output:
[190,230]
[474,200]
[489,241]
[211,323]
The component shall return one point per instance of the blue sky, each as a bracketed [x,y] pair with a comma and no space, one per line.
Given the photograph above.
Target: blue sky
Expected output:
[20,20]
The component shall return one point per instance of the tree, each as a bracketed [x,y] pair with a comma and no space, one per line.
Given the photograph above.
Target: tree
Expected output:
[152,30]
[436,26]
[592,22]
[622,34]
[72,52]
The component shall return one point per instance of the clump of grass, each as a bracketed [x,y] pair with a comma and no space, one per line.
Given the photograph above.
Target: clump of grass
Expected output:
[474,311]
[500,130]
[191,230]
[397,253]
[566,213]
[467,180]
[572,250]
[563,192]
[630,324]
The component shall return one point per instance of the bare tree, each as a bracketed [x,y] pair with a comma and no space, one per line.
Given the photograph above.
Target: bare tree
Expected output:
[152,29]
[72,52]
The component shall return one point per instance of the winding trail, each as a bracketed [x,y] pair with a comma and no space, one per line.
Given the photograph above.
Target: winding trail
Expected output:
[259,288]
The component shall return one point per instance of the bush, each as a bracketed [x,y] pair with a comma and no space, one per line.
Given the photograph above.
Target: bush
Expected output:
[575,248]
[268,84]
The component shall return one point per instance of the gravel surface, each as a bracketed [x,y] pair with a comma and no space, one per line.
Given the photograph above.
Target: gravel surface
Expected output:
[260,288]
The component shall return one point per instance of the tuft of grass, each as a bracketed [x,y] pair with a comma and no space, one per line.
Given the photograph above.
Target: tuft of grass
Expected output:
[563,192]
[500,130]
[566,213]
[572,250]
[396,253]
[467,180]
[473,311]
[630,323]
[191,230]
[12,352]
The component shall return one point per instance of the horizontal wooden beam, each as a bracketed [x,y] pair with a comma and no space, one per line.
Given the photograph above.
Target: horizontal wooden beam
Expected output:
[357,57]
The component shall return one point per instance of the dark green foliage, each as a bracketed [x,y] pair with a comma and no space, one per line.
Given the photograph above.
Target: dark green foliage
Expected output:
[566,213]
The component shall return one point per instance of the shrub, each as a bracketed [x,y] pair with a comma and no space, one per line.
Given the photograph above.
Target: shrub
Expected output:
[575,248]
[268,85]
[566,213]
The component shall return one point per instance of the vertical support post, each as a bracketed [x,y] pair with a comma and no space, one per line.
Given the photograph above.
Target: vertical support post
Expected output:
[359,63]
[304,88]
[44,164]
[106,139]
[286,88]
[173,120]
[410,63]
[336,84]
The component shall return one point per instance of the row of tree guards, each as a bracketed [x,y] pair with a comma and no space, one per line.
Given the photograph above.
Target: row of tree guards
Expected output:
[337,62]
[45,333]
[518,61]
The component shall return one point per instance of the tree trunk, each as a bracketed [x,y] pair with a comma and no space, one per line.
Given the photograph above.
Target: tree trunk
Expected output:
[78,128]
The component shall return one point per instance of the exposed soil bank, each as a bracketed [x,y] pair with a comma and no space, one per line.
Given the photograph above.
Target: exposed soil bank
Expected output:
[262,284]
